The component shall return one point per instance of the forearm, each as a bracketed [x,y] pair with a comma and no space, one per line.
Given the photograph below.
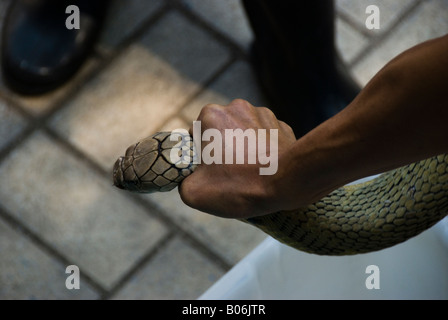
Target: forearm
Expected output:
[399,117]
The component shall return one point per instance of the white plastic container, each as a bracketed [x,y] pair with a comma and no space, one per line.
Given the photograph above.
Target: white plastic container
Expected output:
[415,269]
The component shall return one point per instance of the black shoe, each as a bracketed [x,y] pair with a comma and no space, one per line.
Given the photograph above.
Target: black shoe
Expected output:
[296,62]
[39,53]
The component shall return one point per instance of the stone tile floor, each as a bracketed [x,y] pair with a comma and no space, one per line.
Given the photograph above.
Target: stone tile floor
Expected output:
[156,64]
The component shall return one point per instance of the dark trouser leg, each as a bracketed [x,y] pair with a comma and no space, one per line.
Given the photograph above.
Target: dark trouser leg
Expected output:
[296,61]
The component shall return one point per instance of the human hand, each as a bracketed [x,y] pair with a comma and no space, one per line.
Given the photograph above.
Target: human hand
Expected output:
[237,190]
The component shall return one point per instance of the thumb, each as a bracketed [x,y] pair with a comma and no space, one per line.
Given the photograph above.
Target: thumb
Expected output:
[190,189]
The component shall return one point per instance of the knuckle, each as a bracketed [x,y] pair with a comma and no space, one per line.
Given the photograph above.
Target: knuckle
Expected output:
[240,103]
[209,109]
[266,111]
[286,127]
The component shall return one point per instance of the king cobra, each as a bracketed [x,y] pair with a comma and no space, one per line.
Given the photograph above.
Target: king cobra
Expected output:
[353,219]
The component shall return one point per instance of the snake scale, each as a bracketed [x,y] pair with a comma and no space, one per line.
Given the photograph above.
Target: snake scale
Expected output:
[360,218]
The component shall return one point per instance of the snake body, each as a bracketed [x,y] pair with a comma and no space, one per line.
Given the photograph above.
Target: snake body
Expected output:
[370,216]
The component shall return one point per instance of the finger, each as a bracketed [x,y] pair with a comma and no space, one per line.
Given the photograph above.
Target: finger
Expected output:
[242,110]
[191,189]
[286,128]
[205,114]
[268,118]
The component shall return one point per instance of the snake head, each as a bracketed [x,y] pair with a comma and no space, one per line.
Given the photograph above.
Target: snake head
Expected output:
[148,166]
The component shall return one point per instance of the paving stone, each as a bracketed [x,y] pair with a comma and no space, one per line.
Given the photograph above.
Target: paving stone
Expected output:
[390,11]
[175,123]
[11,124]
[41,104]
[141,89]
[429,21]
[227,16]
[238,81]
[28,273]
[75,210]
[123,18]
[176,272]
[229,238]
[349,41]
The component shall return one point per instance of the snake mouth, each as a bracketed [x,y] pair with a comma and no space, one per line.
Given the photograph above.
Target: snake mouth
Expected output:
[122,180]
[118,174]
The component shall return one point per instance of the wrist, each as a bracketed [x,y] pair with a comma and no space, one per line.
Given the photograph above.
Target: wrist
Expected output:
[325,159]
